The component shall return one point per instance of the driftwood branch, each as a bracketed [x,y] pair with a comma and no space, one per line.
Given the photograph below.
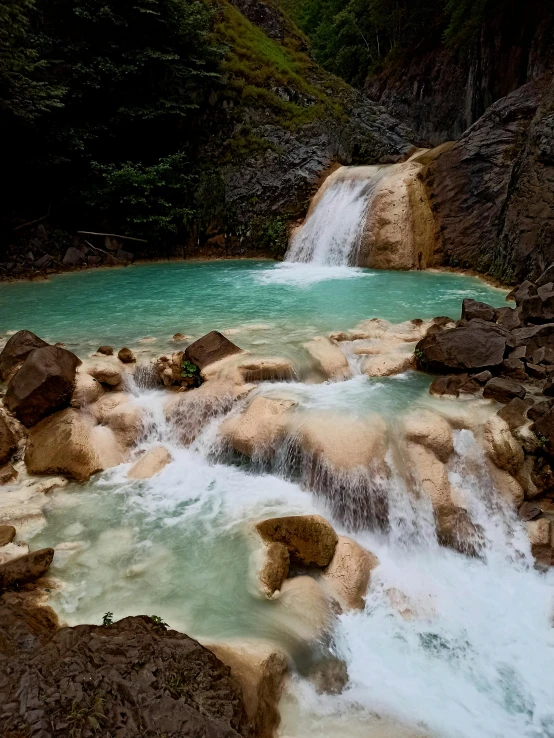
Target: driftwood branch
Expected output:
[111,235]
[31,222]
[102,251]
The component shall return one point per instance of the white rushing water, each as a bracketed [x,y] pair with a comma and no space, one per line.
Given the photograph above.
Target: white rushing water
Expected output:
[447,647]
[332,233]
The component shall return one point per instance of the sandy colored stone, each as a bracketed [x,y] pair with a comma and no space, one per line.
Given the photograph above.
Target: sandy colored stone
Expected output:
[430,429]
[126,356]
[274,569]
[126,421]
[153,461]
[506,485]
[500,445]
[349,572]
[69,443]
[328,357]
[343,442]
[267,369]
[310,539]
[304,607]
[260,669]
[25,569]
[106,374]
[259,428]
[87,390]
[7,534]
[430,474]
[107,404]
[386,365]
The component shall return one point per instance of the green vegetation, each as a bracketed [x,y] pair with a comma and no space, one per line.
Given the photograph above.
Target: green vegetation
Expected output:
[107,619]
[352,38]
[159,623]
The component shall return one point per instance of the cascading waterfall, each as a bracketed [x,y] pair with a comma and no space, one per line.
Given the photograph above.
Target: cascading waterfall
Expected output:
[332,233]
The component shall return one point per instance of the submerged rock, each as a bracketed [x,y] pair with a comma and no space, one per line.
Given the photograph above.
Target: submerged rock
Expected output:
[43,385]
[328,357]
[152,463]
[456,530]
[310,539]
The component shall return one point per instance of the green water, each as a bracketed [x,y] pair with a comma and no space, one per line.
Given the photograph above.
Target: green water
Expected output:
[268,308]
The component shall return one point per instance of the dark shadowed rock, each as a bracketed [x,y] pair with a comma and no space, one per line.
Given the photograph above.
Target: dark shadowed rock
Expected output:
[514,413]
[16,350]
[105,350]
[449,385]
[546,277]
[44,262]
[535,371]
[8,473]
[126,356]
[508,318]
[477,345]
[538,410]
[473,309]
[133,678]
[482,378]
[503,390]
[210,348]
[544,429]
[73,257]
[7,534]
[8,442]
[126,256]
[513,369]
[43,385]
[456,530]
[25,569]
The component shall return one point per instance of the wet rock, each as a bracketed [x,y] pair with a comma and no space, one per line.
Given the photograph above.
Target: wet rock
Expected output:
[274,569]
[260,670]
[266,370]
[178,337]
[449,385]
[430,475]
[68,443]
[473,309]
[8,474]
[514,413]
[456,530]
[105,350]
[87,390]
[106,374]
[432,430]
[210,348]
[503,390]
[548,388]
[126,421]
[43,385]
[16,350]
[8,442]
[530,511]
[310,539]
[349,572]
[73,257]
[179,688]
[25,569]
[387,365]
[305,604]
[7,534]
[328,357]
[329,675]
[501,447]
[260,428]
[126,356]
[152,463]
[477,345]
[541,537]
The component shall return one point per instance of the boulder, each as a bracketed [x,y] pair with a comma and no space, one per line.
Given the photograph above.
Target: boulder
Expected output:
[8,442]
[132,674]
[106,374]
[266,370]
[503,390]
[329,675]
[126,256]
[260,428]
[310,539]
[16,350]
[432,430]
[43,262]
[210,348]
[7,534]
[522,291]
[8,474]
[456,530]
[430,475]
[348,573]
[501,447]
[126,421]
[537,411]
[506,485]
[343,443]
[508,318]
[305,607]
[73,257]
[126,356]
[544,429]
[386,365]
[68,443]
[105,350]
[513,369]
[541,537]
[274,569]
[87,390]
[534,337]
[448,385]
[514,413]
[25,569]
[473,309]
[328,357]
[153,461]
[43,385]
[477,345]
[260,670]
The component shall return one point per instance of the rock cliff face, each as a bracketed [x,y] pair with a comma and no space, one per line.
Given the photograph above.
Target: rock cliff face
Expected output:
[492,192]
[440,91]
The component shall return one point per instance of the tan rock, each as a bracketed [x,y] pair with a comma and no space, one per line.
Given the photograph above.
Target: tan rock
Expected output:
[386,365]
[349,571]
[430,429]
[87,390]
[310,539]
[430,474]
[259,428]
[501,447]
[304,607]
[508,487]
[274,569]
[108,403]
[541,537]
[342,442]
[153,461]
[68,443]
[260,669]
[106,374]
[260,370]
[7,534]
[328,357]
[127,424]
[25,569]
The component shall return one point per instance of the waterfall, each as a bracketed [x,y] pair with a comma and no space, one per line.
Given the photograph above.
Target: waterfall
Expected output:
[333,231]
